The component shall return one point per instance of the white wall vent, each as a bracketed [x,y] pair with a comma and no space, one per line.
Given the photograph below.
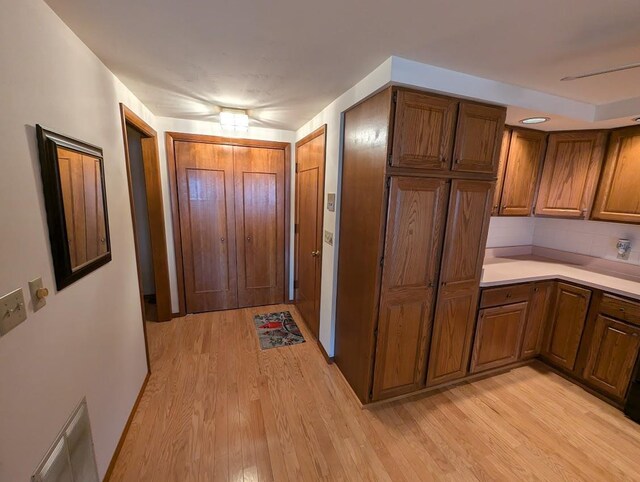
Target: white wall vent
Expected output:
[71,457]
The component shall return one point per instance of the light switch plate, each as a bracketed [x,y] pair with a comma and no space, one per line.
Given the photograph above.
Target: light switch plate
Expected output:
[331,202]
[328,238]
[12,311]
[34,286]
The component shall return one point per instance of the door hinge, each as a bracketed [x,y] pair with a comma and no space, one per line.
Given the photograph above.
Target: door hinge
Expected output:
[382,261]
[388,182]
[297,166]
[390,159]
[395,97]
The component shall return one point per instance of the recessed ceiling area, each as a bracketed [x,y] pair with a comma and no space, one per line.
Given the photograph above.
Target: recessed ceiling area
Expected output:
[285,60]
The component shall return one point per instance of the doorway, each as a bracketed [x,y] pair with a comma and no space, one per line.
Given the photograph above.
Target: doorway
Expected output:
[147,216]
[310,166]
[231,217]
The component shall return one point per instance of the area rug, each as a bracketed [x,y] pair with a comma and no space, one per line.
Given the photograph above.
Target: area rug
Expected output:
[277,329]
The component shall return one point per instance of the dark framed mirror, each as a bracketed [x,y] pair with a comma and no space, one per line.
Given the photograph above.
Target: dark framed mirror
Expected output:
[76,202]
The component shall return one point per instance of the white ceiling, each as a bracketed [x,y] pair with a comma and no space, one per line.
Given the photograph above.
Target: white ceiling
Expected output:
[285,60]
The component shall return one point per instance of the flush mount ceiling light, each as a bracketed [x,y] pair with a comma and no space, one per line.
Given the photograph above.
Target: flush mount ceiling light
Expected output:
[634,65]
[636,119]
[234,119]
[534,120]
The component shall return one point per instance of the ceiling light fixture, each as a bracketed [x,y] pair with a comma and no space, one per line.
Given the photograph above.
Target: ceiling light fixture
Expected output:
[636,119]
[534,120]
[234,119]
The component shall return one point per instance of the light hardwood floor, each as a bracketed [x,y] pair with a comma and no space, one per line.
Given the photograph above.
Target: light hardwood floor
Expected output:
[218,408]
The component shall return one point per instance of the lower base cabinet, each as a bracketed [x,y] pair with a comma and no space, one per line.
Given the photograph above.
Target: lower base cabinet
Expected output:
[498,336]
[612,354]
[539,304]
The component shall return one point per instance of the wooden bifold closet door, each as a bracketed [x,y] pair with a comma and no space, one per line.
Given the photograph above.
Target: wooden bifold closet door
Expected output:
[232,224]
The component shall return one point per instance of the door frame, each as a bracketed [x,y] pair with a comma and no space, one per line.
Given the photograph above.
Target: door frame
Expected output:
[171,138]
[153,190]
[322,130]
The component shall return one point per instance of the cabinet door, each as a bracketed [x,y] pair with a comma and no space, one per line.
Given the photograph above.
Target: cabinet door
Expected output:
[259,204]
[618,197]
[541,297]
[570,174]
[521,174]
[612,355]
[478,138]
[502,164]
[566,324]
[423,131]
[463,254]
[498,335]
[417,209]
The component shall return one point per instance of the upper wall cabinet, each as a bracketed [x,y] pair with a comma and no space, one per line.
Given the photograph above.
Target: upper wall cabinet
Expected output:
[570,174]
[478,138]
[423,131]
[502,164]
[521,170]
[618,197]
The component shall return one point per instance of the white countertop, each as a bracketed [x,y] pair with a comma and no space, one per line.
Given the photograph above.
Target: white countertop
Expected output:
[503,271]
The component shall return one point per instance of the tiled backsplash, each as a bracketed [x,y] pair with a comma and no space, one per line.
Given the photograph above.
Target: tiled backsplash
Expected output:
[592,238]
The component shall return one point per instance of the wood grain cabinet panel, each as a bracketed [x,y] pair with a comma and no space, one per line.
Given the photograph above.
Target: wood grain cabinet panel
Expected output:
[415,228]
[478,138]
[618,197]
[571,169]
[526,150]
[423,131]
[566,324]
[502,164]
[498,336]
[463,254]
[612,355]
[539,305]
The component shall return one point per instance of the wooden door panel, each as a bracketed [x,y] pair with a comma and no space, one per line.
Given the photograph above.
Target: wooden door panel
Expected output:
[538,313]
[566,324]
[571,170]
[612,355]
[259,207]
[423,131]
[618,197]
[310,158]
[502,164]
[204,175]
[463,254]
[521,175]
[478,138]
[498,336]
[415,228]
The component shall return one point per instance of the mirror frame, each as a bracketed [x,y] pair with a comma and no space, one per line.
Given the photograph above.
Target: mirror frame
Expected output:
[48,143]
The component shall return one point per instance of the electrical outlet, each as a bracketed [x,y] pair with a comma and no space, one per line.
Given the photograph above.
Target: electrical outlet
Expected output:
[12,311]
[328,238]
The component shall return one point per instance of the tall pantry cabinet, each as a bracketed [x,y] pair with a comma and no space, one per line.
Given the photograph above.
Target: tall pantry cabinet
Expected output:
[417,186]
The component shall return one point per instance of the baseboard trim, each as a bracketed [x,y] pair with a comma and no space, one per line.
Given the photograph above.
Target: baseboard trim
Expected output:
[116,452]
[328,359]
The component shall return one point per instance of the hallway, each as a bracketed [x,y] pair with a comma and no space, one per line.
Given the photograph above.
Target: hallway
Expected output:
[217,408]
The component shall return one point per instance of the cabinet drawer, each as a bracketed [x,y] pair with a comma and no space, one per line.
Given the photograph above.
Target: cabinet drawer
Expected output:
[505,295]
[620,308]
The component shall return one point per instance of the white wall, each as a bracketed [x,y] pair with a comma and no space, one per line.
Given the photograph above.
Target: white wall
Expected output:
[593,238]
[88,340]
[167,124]
[510,231]
[332,117]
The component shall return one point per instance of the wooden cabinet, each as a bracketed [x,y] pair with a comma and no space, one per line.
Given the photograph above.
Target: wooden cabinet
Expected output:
[502,164]
[415,227]
[478,138]
[541,296]
[498,336]
[462,258]
[612,355]
[393,221]
[523,163]
[618,197]
[423,130]
[571,169]
[566,323]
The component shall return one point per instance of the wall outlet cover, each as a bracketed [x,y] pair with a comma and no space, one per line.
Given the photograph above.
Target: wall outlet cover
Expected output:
[328,238]
[331,202]
[12,311]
